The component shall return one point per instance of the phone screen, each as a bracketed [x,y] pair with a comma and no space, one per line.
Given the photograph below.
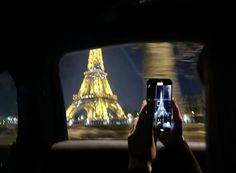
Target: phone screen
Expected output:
[159,94]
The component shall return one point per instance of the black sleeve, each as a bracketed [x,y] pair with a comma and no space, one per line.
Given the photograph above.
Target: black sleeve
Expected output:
[177,158]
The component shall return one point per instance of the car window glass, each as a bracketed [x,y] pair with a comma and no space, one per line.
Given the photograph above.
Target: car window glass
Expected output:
[8,110]
[104,87]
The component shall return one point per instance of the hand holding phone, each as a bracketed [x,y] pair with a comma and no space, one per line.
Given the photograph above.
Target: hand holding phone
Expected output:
[159,95]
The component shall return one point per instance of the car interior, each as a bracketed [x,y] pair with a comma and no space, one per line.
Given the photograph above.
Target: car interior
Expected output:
[45,60]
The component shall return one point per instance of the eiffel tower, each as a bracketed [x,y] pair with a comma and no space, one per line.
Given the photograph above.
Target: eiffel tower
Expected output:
[95,95]
[160,112]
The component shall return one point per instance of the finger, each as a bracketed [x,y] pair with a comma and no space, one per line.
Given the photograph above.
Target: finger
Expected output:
[144,103]
[142,114]
[143,117]
[135,120]
[133,126]
[145,121]
[176,112]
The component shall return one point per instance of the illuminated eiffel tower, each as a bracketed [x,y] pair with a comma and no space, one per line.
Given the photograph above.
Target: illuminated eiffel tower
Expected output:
[160,112]
[95,95]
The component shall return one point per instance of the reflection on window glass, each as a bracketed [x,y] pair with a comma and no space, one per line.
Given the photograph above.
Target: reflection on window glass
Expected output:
[104,87]
[8,110]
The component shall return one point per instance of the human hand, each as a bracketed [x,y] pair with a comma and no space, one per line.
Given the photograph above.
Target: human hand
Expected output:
[175,135]
[142,141]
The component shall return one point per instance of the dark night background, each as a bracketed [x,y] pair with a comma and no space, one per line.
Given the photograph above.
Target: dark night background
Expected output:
[124,67]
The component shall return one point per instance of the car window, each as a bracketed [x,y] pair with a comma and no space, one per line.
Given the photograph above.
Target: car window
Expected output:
[104,87]
[8,110]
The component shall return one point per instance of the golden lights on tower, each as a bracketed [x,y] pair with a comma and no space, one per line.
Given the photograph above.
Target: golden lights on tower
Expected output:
[95,95]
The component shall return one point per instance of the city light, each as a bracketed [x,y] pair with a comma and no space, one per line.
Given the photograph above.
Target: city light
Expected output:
[130,118]
[70,122]
[9,121]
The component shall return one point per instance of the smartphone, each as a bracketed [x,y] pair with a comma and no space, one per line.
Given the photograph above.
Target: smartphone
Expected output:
[159,95]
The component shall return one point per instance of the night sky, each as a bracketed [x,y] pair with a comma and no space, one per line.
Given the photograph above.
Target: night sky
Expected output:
[124,67]
[8,103]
